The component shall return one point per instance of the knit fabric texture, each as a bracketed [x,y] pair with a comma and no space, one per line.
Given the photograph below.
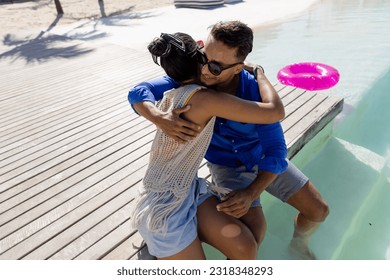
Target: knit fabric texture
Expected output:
[172,166]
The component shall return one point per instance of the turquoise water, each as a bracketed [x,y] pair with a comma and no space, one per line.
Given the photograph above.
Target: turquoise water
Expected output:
[351,168]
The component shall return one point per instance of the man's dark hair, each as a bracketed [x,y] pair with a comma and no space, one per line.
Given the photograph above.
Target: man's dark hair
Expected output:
[234,34]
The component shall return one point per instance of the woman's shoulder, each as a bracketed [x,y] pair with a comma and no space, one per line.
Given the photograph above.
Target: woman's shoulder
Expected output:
[193,87]
[206,98]
[181,95]
[186,90]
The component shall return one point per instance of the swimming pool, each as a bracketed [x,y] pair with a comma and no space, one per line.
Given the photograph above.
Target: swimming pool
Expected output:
[352,167]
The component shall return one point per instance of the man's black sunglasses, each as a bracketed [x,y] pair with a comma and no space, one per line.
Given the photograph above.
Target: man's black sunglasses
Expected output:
[214,67]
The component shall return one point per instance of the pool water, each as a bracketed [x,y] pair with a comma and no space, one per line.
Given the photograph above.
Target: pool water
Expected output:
[350,161]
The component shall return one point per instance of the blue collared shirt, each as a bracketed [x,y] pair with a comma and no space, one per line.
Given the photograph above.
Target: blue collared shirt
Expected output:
[233,143]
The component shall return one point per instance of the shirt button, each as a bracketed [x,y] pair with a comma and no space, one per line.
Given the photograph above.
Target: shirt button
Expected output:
[235,151]
[233,141]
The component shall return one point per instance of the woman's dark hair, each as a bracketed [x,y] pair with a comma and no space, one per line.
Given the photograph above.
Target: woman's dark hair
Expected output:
[178,55]
[234,34]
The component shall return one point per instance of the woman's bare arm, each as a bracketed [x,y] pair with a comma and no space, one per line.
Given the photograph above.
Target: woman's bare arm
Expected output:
[269,95]
[208,103]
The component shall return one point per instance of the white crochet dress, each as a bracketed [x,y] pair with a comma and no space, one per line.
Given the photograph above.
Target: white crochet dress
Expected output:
[172,167]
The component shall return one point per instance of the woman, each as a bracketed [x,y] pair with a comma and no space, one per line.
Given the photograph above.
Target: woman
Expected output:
[172,195]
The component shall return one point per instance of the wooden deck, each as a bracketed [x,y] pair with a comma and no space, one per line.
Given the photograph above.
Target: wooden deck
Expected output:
[72,152]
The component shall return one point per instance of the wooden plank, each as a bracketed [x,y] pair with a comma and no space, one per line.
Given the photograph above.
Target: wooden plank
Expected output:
[132,248]
[90,229]
[82,185]
[60,141]
[289,94]
[100,249]
[311,124]
[86,238]
[52,139]
[72,100]
[142,254]
[62,104]
[73,155]
[129,248]
[299,108]
[98,150]
[26,239]
[63,152]
[62,113]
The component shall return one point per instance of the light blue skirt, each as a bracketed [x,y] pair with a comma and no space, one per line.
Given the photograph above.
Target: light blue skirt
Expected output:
[181,224]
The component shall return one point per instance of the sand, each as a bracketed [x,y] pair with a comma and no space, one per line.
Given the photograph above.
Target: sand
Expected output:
[131,23]
[20,15]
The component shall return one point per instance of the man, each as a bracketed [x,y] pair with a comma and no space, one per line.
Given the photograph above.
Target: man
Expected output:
[245,158]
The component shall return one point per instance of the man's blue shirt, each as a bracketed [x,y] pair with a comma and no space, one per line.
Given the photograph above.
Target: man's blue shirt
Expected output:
[233,143]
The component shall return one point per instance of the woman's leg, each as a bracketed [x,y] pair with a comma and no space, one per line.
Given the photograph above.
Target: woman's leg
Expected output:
[226,233]
[194,251]
[255,221]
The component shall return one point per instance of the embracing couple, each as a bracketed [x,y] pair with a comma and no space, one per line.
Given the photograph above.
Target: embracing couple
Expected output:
[212,105]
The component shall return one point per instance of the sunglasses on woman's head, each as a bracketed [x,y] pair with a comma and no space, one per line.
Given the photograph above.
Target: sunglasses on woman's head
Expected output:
[214,67]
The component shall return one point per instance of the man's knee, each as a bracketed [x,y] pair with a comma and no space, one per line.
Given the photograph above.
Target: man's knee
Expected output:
[309,203]
[319,213]
[320,210]
[323,212]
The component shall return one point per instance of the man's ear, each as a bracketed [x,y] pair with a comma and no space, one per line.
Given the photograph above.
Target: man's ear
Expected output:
[238,68]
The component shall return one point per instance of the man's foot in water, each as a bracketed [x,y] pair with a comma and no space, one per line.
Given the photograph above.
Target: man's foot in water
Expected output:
[299,247]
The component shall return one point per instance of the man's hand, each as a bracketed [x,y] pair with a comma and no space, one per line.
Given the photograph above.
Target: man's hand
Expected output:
[177,128]
[236,203]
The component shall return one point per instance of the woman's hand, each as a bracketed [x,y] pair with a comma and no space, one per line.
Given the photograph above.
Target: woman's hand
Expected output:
[253,68]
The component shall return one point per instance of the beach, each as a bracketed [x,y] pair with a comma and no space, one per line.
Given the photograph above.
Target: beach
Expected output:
[134,23]
[40,14]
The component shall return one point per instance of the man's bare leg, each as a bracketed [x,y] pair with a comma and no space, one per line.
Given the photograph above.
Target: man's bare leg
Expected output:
[312,211]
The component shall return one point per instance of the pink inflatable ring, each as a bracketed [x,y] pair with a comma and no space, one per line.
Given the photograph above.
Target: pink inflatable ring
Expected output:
[309,75]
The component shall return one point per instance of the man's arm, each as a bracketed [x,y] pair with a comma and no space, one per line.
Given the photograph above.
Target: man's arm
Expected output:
[142,98]
[152,90]
[237,203]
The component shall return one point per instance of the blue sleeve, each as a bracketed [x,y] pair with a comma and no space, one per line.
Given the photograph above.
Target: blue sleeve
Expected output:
[152,90]
[274,148]
[249,88]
